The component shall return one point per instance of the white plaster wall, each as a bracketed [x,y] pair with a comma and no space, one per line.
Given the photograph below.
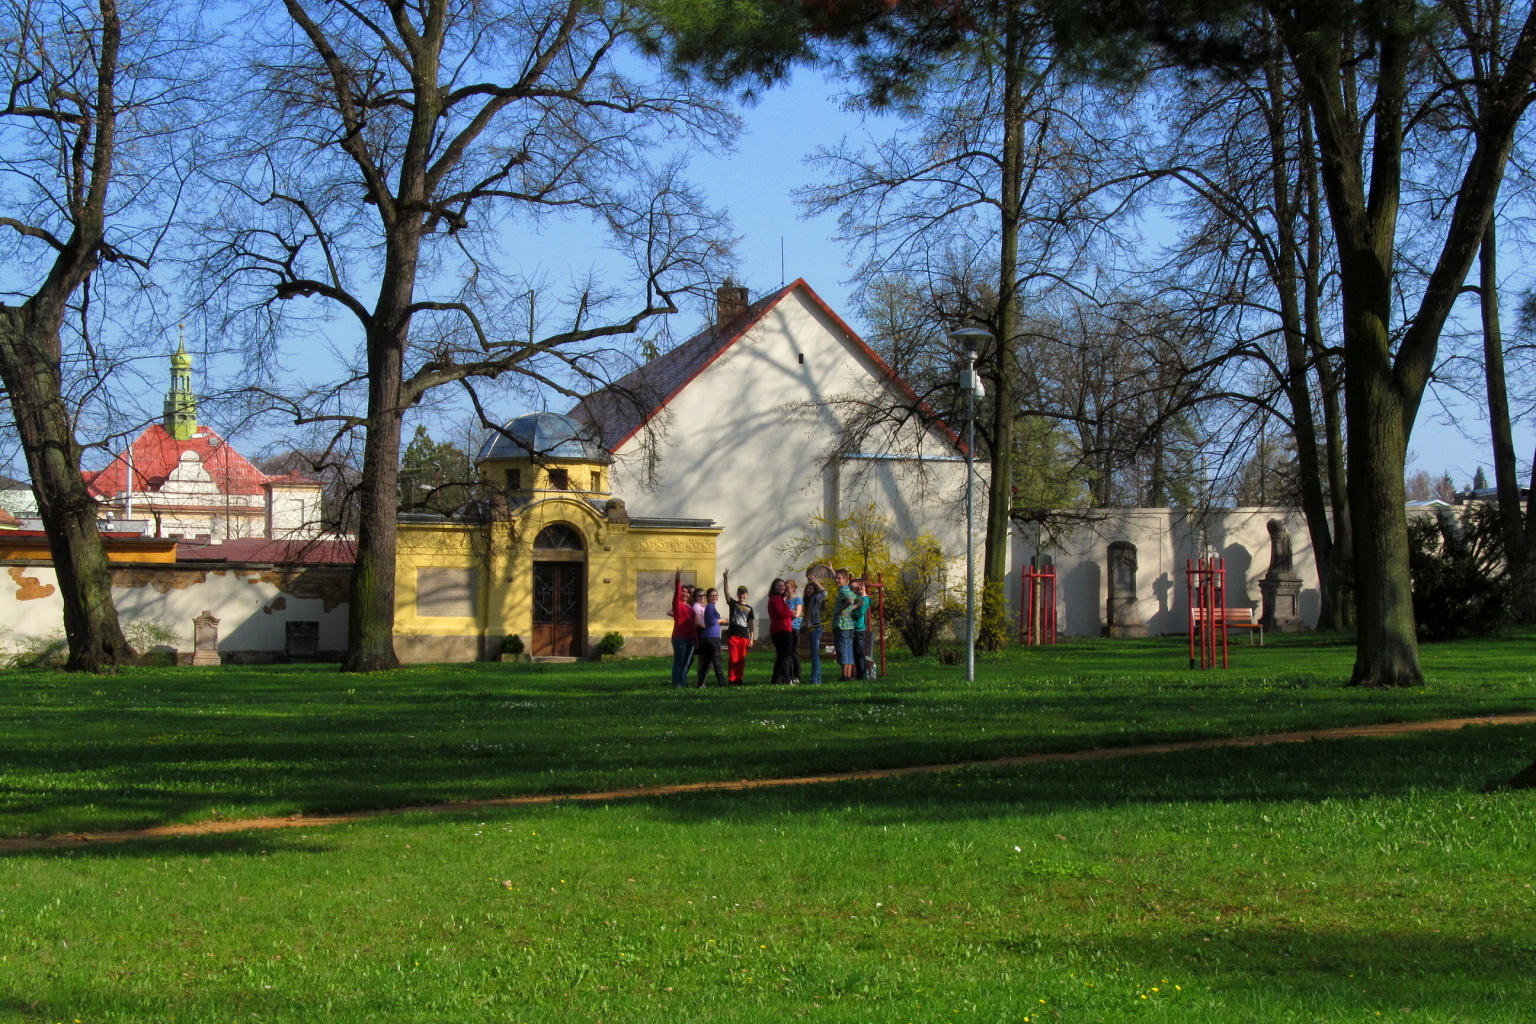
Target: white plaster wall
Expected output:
[745,444]
[293,513]
[1164,539]
[248,619]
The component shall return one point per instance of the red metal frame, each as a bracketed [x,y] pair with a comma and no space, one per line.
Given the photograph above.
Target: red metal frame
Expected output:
[1037,605]
[879,587]
[1206,589]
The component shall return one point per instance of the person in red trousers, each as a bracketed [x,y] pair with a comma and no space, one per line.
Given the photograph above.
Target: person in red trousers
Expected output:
[742,625]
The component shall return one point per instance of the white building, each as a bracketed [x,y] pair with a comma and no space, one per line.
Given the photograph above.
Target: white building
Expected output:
[776,414]
[184,481]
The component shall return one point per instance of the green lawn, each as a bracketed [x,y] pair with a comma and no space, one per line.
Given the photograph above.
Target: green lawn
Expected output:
[1331,881]
[160,746]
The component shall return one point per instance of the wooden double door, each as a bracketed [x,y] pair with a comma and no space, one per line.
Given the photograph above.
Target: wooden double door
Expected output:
[559,608]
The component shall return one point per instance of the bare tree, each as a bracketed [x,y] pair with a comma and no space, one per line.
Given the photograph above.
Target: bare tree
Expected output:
[1252,252]
[1355,68]
[87,106]
[995,181]
[395,140]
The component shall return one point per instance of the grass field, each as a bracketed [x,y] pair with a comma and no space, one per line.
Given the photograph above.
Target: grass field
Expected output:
[1332,881]
[157,746]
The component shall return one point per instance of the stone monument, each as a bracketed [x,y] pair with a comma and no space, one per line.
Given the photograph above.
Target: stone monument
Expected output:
[1122,613]
[205,640]
[1280,588]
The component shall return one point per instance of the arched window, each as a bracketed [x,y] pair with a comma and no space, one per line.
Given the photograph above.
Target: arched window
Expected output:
[558,537]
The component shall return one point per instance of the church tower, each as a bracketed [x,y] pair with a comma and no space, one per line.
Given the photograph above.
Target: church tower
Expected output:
[180,419]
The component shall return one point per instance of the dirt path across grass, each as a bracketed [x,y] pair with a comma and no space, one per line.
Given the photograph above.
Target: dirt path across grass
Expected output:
[207,828]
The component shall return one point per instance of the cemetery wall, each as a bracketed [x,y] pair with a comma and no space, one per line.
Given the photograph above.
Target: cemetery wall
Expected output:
[254,603]
[1164,539]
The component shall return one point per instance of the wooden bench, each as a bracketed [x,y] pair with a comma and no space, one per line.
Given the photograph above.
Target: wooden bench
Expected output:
[1233,618]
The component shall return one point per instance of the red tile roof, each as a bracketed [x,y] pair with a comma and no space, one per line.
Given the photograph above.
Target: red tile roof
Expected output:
[260,549]
[623,408]
[156,453]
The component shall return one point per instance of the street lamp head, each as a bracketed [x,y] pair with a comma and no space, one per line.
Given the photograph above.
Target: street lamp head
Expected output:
[971,337]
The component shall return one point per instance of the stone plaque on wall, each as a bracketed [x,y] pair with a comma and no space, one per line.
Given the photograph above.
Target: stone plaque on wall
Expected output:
[445,593]
[653,593]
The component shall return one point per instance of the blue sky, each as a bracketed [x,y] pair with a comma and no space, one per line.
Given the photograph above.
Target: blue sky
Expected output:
[755,185]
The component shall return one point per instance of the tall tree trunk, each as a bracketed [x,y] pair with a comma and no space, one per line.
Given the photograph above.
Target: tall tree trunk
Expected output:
[29,366]
[1004,403]
[371,611]
[1157,491]
[1382,390]
[1287,276]
[31,355]
[1505,472]
[1387,649]
[1338,603]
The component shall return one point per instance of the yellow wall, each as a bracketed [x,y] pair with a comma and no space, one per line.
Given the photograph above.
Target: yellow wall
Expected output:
[117,551]
[502,552]
[535,479]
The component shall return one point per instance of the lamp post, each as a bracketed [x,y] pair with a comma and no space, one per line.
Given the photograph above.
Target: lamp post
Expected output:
[970,382]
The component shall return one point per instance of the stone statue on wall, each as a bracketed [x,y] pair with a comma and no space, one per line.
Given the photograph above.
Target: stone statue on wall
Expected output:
[1280,556]
[1280,589]
[1122,611]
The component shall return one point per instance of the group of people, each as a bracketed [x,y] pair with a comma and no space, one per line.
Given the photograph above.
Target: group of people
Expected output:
[698,627]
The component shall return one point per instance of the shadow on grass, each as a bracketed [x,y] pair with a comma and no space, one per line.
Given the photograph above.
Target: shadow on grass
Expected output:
[1353,769]
[1337,770]
[174,745]
[243,844]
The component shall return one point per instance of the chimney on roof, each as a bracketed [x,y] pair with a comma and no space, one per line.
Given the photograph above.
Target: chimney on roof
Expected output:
[730,301]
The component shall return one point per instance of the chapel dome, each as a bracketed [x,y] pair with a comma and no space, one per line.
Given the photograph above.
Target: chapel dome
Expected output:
[545,435]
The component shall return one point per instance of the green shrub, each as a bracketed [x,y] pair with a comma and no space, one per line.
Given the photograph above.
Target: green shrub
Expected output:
[612,643]
[1461,587]
[921,600]
[994,622]
[50,650]
[512,644]
[143,636]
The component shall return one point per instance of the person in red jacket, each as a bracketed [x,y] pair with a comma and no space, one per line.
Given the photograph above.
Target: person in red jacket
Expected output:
[685,636]
[781,630]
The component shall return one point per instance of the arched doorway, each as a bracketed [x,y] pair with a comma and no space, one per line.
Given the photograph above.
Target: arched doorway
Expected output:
[559,592]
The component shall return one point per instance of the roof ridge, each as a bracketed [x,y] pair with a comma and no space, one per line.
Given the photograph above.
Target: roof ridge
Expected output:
[620,416]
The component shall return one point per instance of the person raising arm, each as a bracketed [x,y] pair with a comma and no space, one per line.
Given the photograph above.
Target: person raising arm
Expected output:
[743,624]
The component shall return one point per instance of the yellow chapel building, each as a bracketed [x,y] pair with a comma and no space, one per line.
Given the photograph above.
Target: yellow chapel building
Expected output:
[552,557]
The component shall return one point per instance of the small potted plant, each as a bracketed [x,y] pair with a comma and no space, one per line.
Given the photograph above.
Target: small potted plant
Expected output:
[609,646]
[512,649]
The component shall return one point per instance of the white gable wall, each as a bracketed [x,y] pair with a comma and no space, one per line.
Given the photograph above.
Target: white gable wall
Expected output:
[745,443]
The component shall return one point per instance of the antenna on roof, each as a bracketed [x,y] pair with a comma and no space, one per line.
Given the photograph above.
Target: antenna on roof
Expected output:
[781,261]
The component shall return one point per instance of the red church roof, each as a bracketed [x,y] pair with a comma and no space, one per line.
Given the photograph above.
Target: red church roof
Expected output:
[156,453]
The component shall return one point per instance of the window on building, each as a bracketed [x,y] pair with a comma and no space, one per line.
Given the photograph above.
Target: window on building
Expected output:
[514,480]
[560,479]
[597,480]
[558,537]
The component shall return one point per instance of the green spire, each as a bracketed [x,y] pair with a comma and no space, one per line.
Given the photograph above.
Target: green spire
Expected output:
[180,404]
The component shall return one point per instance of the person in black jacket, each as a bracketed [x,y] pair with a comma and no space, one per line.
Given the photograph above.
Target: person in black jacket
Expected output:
[742,626]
